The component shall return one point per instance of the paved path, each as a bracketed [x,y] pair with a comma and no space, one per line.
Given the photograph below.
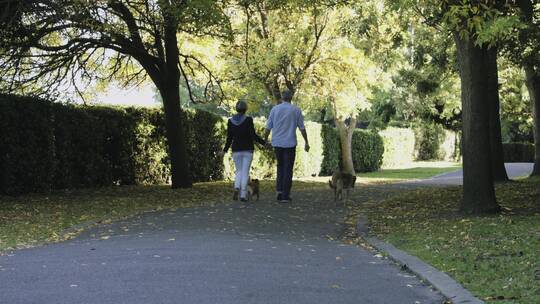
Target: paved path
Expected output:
[513,170]
[263,253]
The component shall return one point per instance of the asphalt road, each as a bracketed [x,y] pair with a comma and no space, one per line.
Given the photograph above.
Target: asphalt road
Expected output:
[514,170]
[260,253]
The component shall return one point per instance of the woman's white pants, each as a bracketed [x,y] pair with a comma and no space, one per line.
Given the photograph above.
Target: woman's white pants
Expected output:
[242,164]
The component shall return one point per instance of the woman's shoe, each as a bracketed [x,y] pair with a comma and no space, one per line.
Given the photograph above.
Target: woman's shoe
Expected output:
[235,194]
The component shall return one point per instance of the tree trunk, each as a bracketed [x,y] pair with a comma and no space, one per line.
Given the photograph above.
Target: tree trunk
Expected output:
[478,190]
[170,92]
[533,85]
[345,138]
[495,138]
[176,140]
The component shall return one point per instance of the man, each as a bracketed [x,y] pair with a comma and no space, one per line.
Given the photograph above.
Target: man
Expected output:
[283,120]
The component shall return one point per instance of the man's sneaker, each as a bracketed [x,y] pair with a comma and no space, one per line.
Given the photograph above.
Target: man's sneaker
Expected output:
[243,199]
[279,197]
[285,201]
[235,194]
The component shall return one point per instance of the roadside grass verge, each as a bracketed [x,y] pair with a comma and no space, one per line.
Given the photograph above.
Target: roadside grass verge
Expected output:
[496,257]
[30,220]
[420,170]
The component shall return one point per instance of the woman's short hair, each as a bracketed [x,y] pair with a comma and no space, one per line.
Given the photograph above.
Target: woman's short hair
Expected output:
[241,106]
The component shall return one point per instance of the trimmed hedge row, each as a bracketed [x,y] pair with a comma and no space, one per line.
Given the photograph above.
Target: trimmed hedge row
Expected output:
[518,152]
[46,146]
[398,147]
[26,145]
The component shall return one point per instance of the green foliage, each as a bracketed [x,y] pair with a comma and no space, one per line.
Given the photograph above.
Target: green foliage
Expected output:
[205,138]
[481,252]
[309,163]
[428,140]
[516,109]
[367,151]
[398,147]
[518,152]
[26,145]
[75,146]
[331,150]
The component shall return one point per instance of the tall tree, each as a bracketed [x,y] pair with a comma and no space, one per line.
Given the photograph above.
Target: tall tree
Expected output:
[55,41]
[529,57]
[494,107]
[478,190]
[278,43]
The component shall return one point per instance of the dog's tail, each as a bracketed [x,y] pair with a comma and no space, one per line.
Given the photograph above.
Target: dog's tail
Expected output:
[332,186]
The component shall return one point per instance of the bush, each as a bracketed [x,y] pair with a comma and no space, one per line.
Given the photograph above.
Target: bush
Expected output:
[331,150]
[398,147]
[450,149]
[150,160]
[367,151]
[309,163]
[518,152]
[48,146]
[205,136]
[428,140]
[26,145]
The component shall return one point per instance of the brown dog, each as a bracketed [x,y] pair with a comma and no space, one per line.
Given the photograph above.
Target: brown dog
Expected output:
[341,181]
[253,188]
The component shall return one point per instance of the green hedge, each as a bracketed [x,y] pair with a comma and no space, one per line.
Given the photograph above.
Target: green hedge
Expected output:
[46,146]
[26,145]
[518,152]
[428,141]
[367,151]
[399,146]
[433,142]
[331,150]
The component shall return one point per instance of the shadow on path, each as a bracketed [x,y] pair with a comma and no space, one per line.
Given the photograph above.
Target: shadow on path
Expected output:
[257,253]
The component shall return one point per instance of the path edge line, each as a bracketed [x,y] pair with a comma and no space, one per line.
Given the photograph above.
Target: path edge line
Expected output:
[441,281]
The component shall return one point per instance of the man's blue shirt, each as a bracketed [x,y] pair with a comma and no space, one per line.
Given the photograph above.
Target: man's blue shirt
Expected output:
[283,121]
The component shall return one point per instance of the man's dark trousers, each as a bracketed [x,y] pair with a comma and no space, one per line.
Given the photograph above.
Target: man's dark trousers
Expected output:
[285,164]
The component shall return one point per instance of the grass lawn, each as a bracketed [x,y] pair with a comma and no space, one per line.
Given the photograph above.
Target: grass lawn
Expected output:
[419,170]
[31,220]
[496,257]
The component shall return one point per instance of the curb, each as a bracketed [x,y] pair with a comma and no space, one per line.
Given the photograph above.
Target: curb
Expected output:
[451,289]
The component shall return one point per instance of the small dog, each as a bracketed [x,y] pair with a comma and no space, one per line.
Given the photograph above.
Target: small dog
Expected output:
[341,181]
[253,189]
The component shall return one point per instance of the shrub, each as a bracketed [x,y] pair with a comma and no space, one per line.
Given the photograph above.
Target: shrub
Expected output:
[26,145]
[309,163]
[205,138]
[367,151]
[428,140]
[450,147]
[150,158]
[518,152]
[398,147]
[331,150]
[48,146]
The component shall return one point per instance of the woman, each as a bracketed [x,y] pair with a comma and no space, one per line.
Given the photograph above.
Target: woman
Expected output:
[241,134]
